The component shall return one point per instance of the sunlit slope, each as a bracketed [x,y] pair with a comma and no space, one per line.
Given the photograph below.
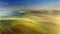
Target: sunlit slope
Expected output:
[32,24]
[22,26]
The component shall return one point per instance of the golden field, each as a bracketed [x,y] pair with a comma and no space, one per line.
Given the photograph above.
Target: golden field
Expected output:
[31,24]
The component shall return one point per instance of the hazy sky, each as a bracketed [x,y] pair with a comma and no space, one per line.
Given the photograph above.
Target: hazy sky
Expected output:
[29,4]
[6,6]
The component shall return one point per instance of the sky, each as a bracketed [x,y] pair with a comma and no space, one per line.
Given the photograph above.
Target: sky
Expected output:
[29,4]
[7,6]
